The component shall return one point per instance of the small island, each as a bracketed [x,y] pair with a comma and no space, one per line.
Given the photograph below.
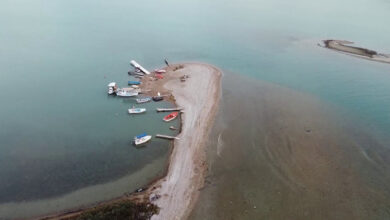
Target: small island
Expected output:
[346,48]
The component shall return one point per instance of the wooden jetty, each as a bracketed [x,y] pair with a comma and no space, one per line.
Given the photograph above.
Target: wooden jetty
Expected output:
[166,137]
[168,109]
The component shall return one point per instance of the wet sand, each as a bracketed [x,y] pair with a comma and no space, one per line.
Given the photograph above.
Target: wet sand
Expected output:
[282,154]
[346,48]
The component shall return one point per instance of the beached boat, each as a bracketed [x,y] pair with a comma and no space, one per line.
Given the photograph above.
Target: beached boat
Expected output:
[126,93]
[142,138]
[133,83]
[171,116]
[160,71]
[112,88]
[143,100]
[136,110]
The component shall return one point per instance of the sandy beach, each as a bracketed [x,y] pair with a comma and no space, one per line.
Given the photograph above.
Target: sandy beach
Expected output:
[199,96]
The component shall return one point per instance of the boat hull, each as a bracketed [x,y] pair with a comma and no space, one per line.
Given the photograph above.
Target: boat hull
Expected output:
[142,140]
[127,94]
[170,117]
[139,101]
[136,111]
[157,98]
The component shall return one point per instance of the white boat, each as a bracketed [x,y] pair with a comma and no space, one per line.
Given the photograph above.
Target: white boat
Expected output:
[160,71]
[126,93]
[143,100]
[112,88]
[136,110]
[110,91]
[141,139]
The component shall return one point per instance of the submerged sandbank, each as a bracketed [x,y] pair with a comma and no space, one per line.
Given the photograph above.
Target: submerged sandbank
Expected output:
[277,153]
[345,47]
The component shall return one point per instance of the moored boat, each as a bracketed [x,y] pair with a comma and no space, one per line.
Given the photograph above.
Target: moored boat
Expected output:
[157,98]
[112,88]
[171,116]
[136,110]
[142,138]
[133,82]
[143,100]
[126,93]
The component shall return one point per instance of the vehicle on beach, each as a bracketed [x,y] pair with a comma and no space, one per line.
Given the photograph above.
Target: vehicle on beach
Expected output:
[126,93]
[136,110]
[171,116]
[112,88]
[143,100]
[142,139]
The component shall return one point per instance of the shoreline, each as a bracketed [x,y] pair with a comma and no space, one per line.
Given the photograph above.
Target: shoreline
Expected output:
[178,186]
[344,47]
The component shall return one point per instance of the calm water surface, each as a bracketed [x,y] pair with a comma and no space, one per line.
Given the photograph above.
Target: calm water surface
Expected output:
[63,140]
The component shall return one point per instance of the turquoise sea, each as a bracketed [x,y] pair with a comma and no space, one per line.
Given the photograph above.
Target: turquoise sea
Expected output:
[65,143]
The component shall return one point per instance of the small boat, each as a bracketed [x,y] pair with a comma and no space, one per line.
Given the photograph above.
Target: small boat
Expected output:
[157,98]
[126,93]
[134,83]
[134,86]
[112,88]
[133,73]
[136,110]
[160,71]
[141,139]
[171,116]
[143,100]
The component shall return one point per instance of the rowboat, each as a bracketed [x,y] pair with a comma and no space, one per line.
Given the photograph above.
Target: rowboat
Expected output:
[142,138]
[136,110]
[143,100]
[126,93]
[171,116]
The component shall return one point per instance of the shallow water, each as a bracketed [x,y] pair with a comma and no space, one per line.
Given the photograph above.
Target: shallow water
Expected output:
[59,132]
[287,155]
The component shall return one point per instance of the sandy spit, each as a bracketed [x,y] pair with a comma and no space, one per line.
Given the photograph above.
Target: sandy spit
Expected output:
[179,189]
[199,96]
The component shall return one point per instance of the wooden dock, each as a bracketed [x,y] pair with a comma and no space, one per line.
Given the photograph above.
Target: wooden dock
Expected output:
[166,137]
[168,109]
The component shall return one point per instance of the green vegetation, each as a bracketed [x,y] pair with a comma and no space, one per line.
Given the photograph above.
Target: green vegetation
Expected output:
[122,210]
